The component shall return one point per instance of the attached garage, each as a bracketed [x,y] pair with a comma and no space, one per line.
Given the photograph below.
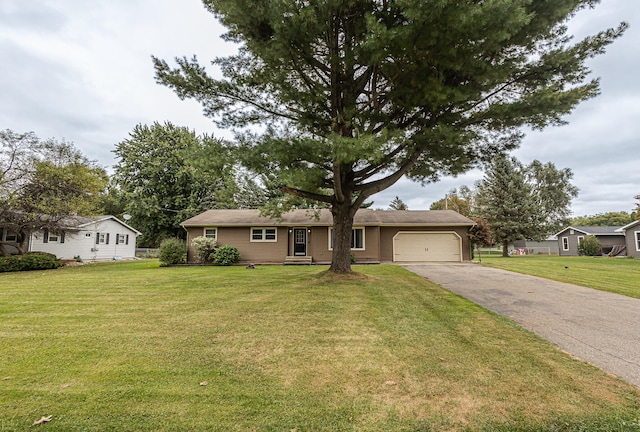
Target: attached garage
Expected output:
[427,246]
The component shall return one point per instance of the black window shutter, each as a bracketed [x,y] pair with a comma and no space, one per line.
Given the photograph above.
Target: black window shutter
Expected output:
[46,236]
[97,238]
[117,238]
[126,239]
[107,242]
[62,237]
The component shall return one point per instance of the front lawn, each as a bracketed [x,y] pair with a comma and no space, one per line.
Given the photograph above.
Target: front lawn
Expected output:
[133,347]
[616,275]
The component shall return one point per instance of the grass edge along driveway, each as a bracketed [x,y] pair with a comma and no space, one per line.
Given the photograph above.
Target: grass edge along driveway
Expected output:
[130,346]
[616,275]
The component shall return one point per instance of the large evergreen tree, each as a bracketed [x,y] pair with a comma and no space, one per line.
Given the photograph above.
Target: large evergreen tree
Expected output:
[351,95]
[521,202]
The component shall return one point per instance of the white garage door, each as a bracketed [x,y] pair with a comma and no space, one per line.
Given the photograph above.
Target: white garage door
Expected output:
[427,246]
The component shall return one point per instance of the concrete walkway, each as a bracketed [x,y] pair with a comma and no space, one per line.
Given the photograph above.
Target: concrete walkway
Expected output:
[596,326]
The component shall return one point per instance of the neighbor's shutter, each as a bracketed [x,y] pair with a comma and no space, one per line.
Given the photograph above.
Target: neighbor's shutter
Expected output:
[97,238]
[126,239]
[107,242]
[62,237]
[117,239]
[46,237]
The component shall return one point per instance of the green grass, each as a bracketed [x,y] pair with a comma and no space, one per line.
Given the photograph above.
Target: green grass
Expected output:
[125,346]
[616,275]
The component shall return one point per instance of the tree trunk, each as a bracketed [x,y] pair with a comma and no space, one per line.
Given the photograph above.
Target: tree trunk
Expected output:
[342,227]
[505,248]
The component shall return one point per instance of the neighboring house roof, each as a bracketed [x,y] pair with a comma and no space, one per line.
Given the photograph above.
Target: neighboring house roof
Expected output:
[80,222]
[594,230]
[626,227]
[324,218]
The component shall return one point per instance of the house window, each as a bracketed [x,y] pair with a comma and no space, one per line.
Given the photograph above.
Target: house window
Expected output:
[565,243]
[211,233]
[264,234]
[102,238]
[53,238]
[122,238]
[357,238]
[637,233]
[580,238]
[11,237]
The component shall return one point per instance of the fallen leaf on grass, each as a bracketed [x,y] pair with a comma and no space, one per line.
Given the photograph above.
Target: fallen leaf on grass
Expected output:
[390,383]
[204,383]
[42,420]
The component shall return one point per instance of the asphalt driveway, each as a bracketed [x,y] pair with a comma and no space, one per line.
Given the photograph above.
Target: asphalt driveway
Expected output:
[599,327]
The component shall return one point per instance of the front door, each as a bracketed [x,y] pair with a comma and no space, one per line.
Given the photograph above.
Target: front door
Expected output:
[300,241]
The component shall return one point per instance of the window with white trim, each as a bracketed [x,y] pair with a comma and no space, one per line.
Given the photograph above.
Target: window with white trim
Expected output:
[10,236]
[637,233]
[357,238]
[580,238]
[211,233]
[53,238]
[565,243]
[267,234]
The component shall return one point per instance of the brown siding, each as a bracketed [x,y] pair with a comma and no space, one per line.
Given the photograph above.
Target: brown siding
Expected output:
[378,243]
[387,234]
[241,238]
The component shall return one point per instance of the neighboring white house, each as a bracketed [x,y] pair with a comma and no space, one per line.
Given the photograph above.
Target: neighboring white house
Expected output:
[90,238]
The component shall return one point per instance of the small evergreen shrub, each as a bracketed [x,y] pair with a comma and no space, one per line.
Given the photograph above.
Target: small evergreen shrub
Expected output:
[30,261]
[10,263]
[589,246]
[172,251]
[226,255]
[205,248]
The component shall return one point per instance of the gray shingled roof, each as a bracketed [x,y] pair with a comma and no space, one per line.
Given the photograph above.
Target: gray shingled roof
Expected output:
[323,218]
[595,230]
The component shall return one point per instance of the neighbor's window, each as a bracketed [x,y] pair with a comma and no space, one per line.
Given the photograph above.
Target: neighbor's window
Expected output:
[11,237]
[637,233]
[53,238]
[211,233]
[580,238]
[357,238]
[565,243]
[264,234]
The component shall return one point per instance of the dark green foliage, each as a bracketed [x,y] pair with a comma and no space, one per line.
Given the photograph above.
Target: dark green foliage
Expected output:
[604,219]
[166,174]
[589,246]
[226,255]
[350,96]
[10,263]
[172,251]
[524,202]
[29,261]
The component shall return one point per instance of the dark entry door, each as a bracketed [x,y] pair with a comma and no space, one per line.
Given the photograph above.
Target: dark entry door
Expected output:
[300,241]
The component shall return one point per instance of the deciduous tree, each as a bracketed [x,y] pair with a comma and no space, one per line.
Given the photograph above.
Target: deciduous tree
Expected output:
[352,95]
[42,183]
[167,174]
[603,219]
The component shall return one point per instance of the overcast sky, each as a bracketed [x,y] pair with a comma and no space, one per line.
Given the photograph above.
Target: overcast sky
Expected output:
[82,71]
